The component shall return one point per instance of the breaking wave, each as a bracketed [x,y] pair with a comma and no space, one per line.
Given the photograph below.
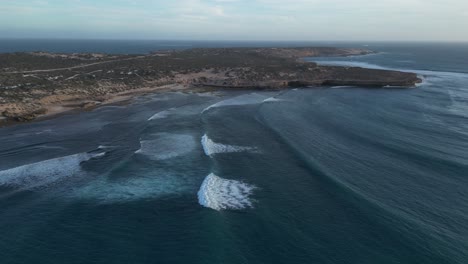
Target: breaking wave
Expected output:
[221,194]
[246,99]
[167,146]
[161,115]
[45,172]
[210,147]
[272,99]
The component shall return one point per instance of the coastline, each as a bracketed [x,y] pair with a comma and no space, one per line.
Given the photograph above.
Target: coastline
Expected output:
[53,84]
[75,105]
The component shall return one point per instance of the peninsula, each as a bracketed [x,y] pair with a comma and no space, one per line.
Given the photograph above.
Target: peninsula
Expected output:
[40,83]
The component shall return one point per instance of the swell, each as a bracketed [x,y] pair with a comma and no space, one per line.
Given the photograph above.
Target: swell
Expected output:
[408,143]
[398,227]
[418,156]
[40,145]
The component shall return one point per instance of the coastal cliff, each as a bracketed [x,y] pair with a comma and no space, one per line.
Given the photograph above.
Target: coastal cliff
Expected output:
[40,83]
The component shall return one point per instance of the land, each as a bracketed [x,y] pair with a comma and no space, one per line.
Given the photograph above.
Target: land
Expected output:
[39,84]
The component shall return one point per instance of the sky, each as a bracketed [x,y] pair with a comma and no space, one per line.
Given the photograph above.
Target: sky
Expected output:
[301,20]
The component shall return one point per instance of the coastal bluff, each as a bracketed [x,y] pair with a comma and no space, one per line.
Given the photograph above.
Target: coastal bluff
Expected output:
[35,84]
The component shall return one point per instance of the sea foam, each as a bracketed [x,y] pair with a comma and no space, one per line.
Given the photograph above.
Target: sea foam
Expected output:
[210,147]
[167,146]
[151,186]
[45,172]
[221,194]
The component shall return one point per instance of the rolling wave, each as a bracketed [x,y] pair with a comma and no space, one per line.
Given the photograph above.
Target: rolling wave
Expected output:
[245,99]
[397,223]
[45,172]
[272,100]
[221,194]
[342,87]
[161,115]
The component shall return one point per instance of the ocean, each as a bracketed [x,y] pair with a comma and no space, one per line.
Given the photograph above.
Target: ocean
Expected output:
[307,175]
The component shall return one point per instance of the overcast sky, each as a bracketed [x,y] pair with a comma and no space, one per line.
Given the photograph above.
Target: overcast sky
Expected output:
[409,20]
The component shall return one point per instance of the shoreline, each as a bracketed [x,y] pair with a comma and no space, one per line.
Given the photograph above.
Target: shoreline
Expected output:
[77,105]
[42,85]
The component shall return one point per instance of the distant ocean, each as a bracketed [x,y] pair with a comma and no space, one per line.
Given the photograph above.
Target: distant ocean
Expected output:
[309,175]
[130,46]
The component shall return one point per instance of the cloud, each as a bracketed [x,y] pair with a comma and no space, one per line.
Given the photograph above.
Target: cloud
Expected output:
[243,19]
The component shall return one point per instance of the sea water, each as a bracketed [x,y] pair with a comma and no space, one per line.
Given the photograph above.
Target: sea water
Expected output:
[310,175]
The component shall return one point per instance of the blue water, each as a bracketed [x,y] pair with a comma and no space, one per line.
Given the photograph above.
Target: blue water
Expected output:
[311,175]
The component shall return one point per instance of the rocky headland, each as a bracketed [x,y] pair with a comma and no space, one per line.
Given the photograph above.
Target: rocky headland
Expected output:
[40,83]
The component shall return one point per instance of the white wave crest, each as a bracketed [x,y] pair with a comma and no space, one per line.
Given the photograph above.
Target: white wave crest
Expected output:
[272,99]
[210,147]
[161,115]
[104,147]
[45,172]
[245,99]
[167,146]
[221,194]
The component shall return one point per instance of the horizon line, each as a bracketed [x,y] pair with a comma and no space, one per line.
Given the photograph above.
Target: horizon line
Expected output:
[234,40]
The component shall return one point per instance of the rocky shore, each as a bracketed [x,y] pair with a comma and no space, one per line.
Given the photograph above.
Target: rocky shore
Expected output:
[39,83]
